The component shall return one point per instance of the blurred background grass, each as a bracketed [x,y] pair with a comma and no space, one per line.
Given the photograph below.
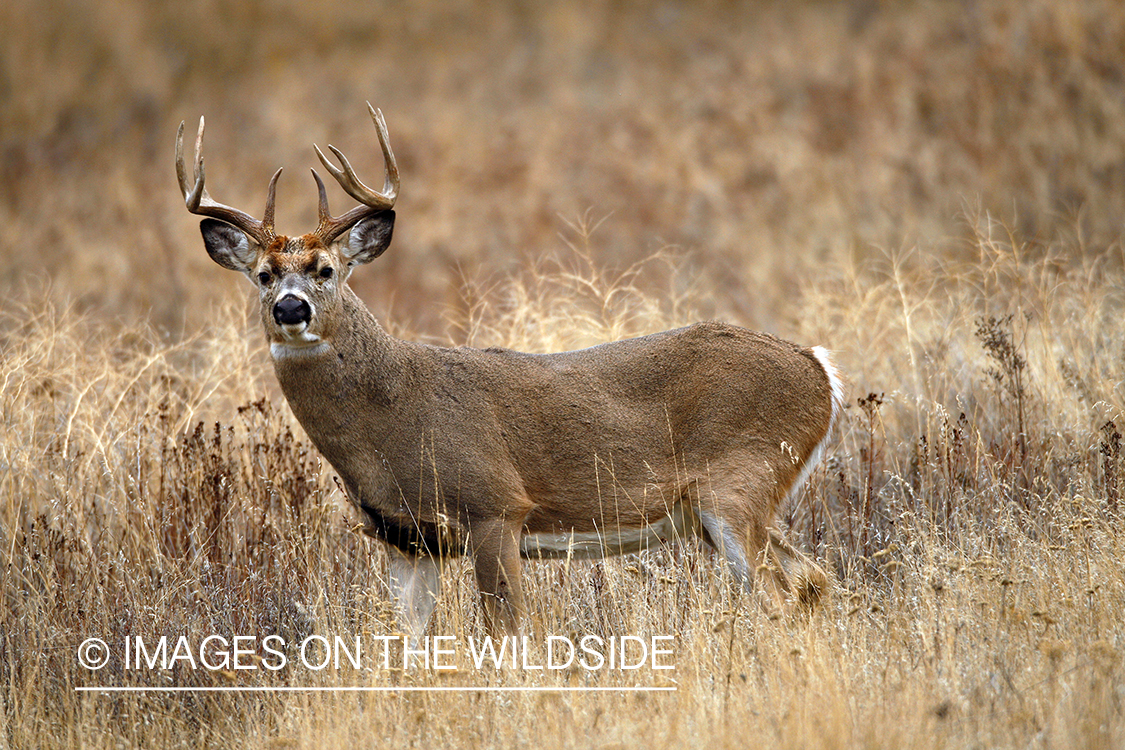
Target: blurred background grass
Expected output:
[933,190]
[766,139]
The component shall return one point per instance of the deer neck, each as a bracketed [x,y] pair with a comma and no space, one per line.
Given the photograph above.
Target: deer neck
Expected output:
[355,371]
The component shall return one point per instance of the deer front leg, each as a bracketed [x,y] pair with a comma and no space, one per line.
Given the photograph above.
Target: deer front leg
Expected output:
[495,545]
[415,584]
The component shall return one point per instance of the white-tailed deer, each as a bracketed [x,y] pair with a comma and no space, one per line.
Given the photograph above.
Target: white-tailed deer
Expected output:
[703,430]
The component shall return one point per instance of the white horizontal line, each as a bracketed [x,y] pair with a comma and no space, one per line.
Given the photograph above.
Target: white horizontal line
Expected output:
[388,689]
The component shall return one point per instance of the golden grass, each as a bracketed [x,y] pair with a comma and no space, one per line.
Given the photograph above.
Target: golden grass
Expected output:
[933,191]
[979,585]
[769,137]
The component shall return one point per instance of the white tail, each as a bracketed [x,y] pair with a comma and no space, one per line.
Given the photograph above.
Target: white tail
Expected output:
[703,430]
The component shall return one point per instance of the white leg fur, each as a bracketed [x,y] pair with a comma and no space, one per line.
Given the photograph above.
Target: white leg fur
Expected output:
[415,583]
[730,547]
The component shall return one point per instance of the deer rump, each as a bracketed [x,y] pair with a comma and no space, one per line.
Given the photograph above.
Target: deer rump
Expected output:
[612,449]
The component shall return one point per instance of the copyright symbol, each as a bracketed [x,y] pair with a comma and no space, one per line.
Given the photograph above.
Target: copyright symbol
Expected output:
[93,654]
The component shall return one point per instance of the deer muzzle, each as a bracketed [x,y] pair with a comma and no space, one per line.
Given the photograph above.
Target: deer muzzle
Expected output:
[292,310]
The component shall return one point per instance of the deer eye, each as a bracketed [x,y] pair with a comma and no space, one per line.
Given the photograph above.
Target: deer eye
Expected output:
[264,278]
[326,272]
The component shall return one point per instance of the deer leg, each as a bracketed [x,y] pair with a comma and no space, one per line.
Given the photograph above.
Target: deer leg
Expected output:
[745,549]
[808,581]
[735,513]
[730,546]
[761,559]
[495,546]
[415,584]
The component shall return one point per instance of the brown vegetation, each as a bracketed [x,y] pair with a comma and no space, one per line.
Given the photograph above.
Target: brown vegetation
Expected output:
[932,190]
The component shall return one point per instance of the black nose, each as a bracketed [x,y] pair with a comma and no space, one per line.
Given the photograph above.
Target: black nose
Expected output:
[291,310]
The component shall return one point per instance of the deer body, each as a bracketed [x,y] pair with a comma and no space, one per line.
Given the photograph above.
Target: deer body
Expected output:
[702,430]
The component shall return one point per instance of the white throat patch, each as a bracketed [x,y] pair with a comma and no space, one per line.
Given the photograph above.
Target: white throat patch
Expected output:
[313,348]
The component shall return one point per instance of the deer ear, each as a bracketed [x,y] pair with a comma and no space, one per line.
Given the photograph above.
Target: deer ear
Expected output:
[369,238]
[227,246]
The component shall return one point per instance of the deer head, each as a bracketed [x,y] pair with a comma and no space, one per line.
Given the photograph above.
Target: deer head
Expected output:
[300,280]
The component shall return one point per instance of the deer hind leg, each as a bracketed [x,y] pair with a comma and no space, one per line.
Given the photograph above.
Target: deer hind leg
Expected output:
[415,582]
[742,545]
[495,546]
[756,554]
[807,581]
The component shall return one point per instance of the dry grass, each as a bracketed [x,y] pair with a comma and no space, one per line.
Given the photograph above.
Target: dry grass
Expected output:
[979,593]
[932,190]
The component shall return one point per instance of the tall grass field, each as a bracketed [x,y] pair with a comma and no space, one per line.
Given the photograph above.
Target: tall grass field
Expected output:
[934,191]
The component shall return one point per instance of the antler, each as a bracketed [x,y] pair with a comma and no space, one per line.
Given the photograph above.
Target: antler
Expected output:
[199,202]
[330,227]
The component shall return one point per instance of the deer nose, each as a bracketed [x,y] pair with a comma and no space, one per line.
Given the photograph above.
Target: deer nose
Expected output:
[291,310]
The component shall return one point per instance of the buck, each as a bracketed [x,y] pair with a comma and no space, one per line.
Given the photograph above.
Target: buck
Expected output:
[705,430]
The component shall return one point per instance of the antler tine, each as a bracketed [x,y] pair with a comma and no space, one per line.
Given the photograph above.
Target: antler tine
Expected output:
[390,176]
[331,227]
[323,215]
[180,175]
[267,215]
[201,204]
